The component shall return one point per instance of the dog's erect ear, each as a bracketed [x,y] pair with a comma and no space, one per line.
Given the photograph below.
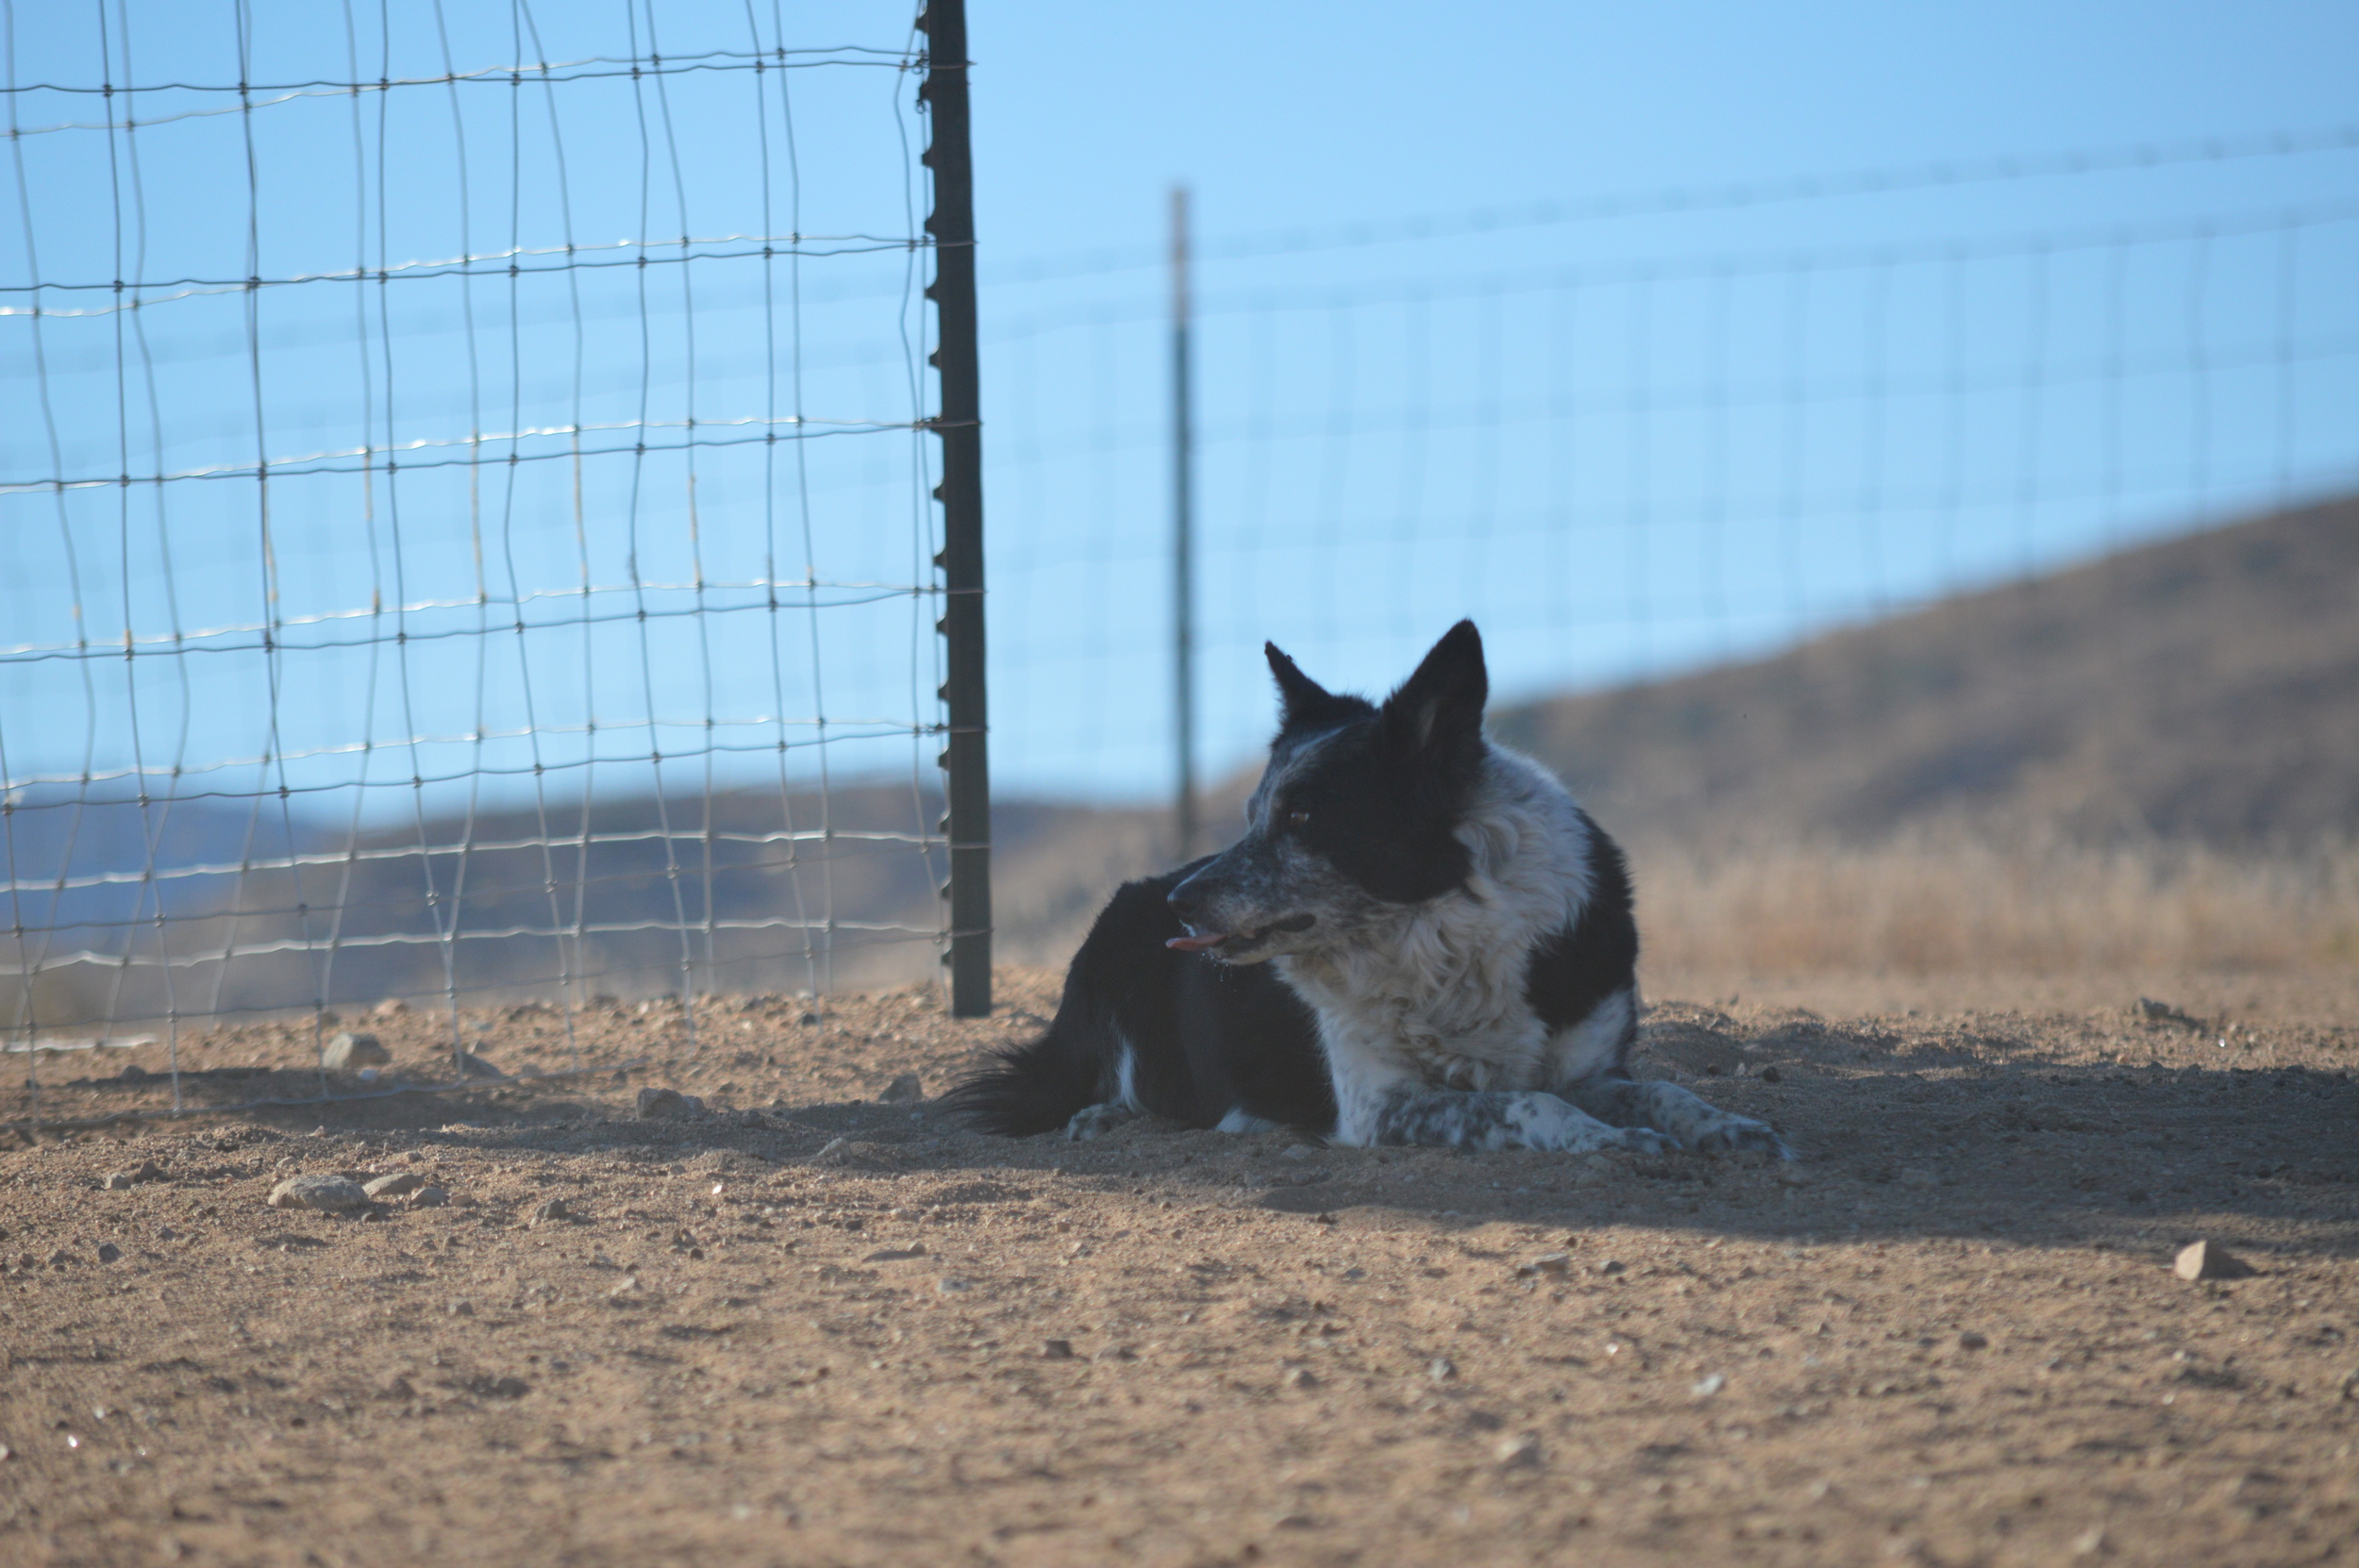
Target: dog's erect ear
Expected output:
[1438,710]
[1300,699]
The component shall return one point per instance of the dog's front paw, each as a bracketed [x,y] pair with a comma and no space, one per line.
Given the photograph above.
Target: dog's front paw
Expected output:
[1642,1140]
[1098,1120]
[1741,1137]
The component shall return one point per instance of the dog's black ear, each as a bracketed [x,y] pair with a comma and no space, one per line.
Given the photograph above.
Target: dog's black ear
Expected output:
[1438,711]
[1302,700]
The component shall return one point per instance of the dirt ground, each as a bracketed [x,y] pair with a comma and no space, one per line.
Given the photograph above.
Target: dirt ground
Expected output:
[811,1327]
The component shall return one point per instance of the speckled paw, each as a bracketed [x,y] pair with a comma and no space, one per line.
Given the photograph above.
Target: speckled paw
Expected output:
[1742,1135]
[1098,1120]
[1643,1140]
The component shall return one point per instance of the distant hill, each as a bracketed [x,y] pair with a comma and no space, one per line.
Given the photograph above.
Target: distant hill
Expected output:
[2203,688]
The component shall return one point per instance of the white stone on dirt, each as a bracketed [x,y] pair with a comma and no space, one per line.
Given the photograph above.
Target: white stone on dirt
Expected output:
[1518,1453]
[554,1209]
[351,1051]
[2208,1261]
[1547,1262]
[1441,1369]
[906,1089]
[429,1197]
[330,1194]
[393,1185]
[1708,1385]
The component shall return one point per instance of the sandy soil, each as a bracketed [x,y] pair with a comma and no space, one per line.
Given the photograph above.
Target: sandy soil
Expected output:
[811,1328]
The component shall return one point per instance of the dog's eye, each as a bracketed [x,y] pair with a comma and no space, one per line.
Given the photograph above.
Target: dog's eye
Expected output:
[1297,819]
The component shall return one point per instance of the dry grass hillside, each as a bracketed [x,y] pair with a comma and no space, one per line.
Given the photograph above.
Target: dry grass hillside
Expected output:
[2203,688]
[2147,764]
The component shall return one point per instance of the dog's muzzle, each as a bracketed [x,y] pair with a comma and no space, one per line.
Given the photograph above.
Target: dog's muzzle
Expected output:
[1219,942]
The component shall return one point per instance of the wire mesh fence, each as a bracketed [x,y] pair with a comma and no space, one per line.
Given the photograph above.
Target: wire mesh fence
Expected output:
[472,531]
[1640,462]
[467,507]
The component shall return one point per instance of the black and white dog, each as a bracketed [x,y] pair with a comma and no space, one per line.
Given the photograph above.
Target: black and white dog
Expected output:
[1421,938]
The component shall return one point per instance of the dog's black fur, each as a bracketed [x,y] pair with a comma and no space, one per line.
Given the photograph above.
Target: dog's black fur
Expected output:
[1420,939]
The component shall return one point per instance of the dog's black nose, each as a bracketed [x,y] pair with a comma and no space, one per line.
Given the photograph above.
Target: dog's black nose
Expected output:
[1186,901]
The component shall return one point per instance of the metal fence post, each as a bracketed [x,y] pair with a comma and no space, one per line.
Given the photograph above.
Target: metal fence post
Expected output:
[965,756]
[1182,533]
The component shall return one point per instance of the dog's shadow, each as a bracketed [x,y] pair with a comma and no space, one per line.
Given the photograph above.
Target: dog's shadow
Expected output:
[1969,1136]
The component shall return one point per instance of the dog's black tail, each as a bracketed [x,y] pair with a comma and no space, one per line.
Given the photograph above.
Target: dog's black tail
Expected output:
[1033,1088]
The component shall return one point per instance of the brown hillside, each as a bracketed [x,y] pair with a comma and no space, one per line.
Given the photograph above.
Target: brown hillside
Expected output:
[2205,688]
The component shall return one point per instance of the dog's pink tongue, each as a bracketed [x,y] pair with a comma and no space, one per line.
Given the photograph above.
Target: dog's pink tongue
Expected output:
[1195,943]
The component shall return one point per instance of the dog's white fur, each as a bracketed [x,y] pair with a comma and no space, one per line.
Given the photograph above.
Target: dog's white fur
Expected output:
[1434,996]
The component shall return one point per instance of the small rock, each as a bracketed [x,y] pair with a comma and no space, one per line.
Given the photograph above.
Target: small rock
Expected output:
[1611,1265]
[460,1306]
[1770,1075]
[623,1287]
[2089,1541]
[330,1194]
[351,1051]
[668,1105]
[553,1209]
[1518,1453]
[133,1073]
[1547,1262]
[2162,1011]
[392,1007]
[1441,1369]
[906,1089]
[1708,1385]
[393,1186]
[497,1388]
[474,1066]
[1972,1341]
[109,1252]
[896,1255]
[146,1170]
[1301,1378]
[948,1286]
[429,1197]
[1056,1350]
[2208,1261]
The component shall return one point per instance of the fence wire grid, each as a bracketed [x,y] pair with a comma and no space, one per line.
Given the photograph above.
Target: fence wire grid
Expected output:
[467,529]
[476,537]
[1647,433]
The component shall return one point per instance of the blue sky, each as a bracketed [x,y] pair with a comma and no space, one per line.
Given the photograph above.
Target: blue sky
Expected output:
[1627,445]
